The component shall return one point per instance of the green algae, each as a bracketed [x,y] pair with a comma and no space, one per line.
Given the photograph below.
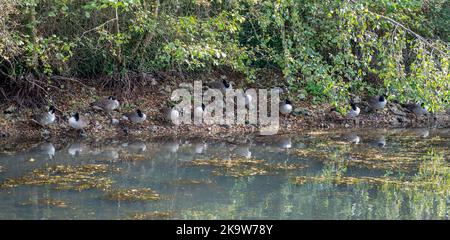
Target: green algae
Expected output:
[243,167]
[150,216]
[133,194]
[66,177]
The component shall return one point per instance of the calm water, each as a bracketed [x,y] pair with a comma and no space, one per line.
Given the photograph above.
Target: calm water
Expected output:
[377,174]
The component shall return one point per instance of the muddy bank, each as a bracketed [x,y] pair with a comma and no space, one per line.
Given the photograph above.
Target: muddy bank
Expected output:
[152,97]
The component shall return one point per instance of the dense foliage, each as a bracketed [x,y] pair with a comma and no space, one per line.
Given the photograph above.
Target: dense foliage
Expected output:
[325,50]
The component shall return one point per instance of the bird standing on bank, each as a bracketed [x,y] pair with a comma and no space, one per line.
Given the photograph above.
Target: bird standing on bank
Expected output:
[377,103]
[46,118]
[135,117]
[171,114]
[77,123]
[223,86]
[107,105]
[354,111]
[416,109]
[286,107]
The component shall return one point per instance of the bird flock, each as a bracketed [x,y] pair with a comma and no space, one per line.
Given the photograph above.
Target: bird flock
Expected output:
[111,103]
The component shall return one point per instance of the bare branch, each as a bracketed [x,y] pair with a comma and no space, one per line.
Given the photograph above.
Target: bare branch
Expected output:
[99,26]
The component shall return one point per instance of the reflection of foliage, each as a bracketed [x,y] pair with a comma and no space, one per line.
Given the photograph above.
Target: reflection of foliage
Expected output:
[429,186]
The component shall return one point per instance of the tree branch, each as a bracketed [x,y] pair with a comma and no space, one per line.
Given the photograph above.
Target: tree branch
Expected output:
[394,22]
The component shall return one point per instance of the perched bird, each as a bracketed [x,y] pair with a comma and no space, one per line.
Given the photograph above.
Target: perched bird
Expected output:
[416,109]
[108,104]
[354,111]
[76,122]
[377,103]
[47,117]
[286,107]
[222,86]
[135,117]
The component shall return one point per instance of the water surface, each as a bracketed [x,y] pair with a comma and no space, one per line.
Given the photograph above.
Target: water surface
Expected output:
[363,174]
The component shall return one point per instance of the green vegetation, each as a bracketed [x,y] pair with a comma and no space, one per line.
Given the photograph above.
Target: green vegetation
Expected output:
[323,49]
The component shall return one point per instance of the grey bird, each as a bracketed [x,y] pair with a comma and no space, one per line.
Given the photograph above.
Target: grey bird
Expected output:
[135,117]
[221,85]
[416,109]
[108,104]
[46,118]
[376,103]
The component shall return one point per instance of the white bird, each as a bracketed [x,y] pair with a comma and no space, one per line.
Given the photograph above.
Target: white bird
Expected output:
[286,107]
[172,114]
[77,123]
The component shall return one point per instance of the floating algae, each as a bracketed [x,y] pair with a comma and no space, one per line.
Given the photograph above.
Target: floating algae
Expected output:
[126,157]
[151,216]
[322,179]
[285,166]
[241,172]
[340,180]
[191,182]
[134,194]
[369,158]
[66,177]
[244,167]
[217,162]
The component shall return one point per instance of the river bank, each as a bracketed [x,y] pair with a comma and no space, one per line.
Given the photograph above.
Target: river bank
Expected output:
[152,95]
